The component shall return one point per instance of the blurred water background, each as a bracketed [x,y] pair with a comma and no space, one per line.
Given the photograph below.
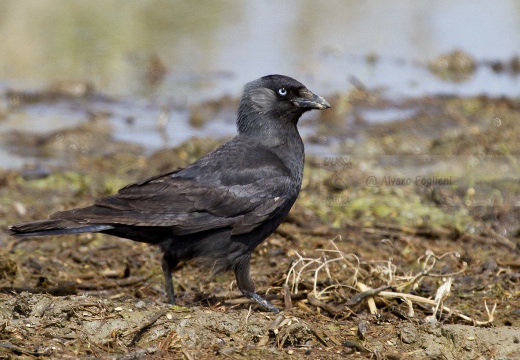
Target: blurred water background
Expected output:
[204,50]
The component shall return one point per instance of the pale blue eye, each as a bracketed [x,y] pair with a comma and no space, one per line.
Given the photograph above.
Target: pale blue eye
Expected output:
[282,92]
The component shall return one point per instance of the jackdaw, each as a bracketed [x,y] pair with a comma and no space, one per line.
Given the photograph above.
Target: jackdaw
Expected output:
[222,206]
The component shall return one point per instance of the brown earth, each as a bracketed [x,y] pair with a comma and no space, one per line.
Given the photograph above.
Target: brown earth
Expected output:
[94,296]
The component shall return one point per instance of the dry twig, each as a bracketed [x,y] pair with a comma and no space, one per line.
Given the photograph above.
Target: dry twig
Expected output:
[322,266]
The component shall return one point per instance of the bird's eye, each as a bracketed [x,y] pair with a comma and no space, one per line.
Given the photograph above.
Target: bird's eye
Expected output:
[282,91]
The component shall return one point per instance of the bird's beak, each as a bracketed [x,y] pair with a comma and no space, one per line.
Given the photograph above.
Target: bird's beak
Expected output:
[310,100]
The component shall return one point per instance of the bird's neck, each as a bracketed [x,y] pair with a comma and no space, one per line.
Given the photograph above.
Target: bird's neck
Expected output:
[281,137]
[268,131]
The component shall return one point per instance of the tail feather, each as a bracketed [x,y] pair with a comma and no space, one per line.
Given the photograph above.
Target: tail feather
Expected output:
[54,227]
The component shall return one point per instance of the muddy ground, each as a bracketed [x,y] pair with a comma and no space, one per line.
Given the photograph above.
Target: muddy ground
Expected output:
[362,267]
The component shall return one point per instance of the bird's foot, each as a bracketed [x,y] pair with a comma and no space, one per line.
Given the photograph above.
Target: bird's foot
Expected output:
[260,301]
[172,300]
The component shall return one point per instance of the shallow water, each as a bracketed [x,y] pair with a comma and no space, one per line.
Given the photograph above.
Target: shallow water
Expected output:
[211,48]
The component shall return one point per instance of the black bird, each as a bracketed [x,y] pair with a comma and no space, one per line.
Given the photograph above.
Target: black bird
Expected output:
[219,208]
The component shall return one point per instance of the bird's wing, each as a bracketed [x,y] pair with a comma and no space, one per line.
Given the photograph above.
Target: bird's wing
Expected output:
[187,204]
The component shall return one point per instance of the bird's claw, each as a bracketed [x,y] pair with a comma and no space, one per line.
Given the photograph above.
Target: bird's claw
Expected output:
[260,301]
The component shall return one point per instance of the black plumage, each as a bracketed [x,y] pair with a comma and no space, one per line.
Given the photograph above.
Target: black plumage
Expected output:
[219,208]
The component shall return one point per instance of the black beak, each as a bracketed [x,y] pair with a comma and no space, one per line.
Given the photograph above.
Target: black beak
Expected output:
[310,100]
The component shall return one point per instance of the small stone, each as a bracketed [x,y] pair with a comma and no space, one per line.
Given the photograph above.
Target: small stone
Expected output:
[140,304]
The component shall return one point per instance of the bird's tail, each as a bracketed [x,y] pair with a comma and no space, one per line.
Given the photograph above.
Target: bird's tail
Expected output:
[54,227]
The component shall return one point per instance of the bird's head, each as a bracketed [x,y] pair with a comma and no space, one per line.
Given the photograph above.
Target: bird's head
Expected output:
[275,99]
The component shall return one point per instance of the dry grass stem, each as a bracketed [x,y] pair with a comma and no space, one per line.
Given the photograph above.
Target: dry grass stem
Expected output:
[333,270]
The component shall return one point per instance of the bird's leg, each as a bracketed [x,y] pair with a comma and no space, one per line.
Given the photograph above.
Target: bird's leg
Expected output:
[247,287]
[168,264]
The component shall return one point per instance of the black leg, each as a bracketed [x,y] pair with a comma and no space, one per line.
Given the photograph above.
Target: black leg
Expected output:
[168,264]
[247,287]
